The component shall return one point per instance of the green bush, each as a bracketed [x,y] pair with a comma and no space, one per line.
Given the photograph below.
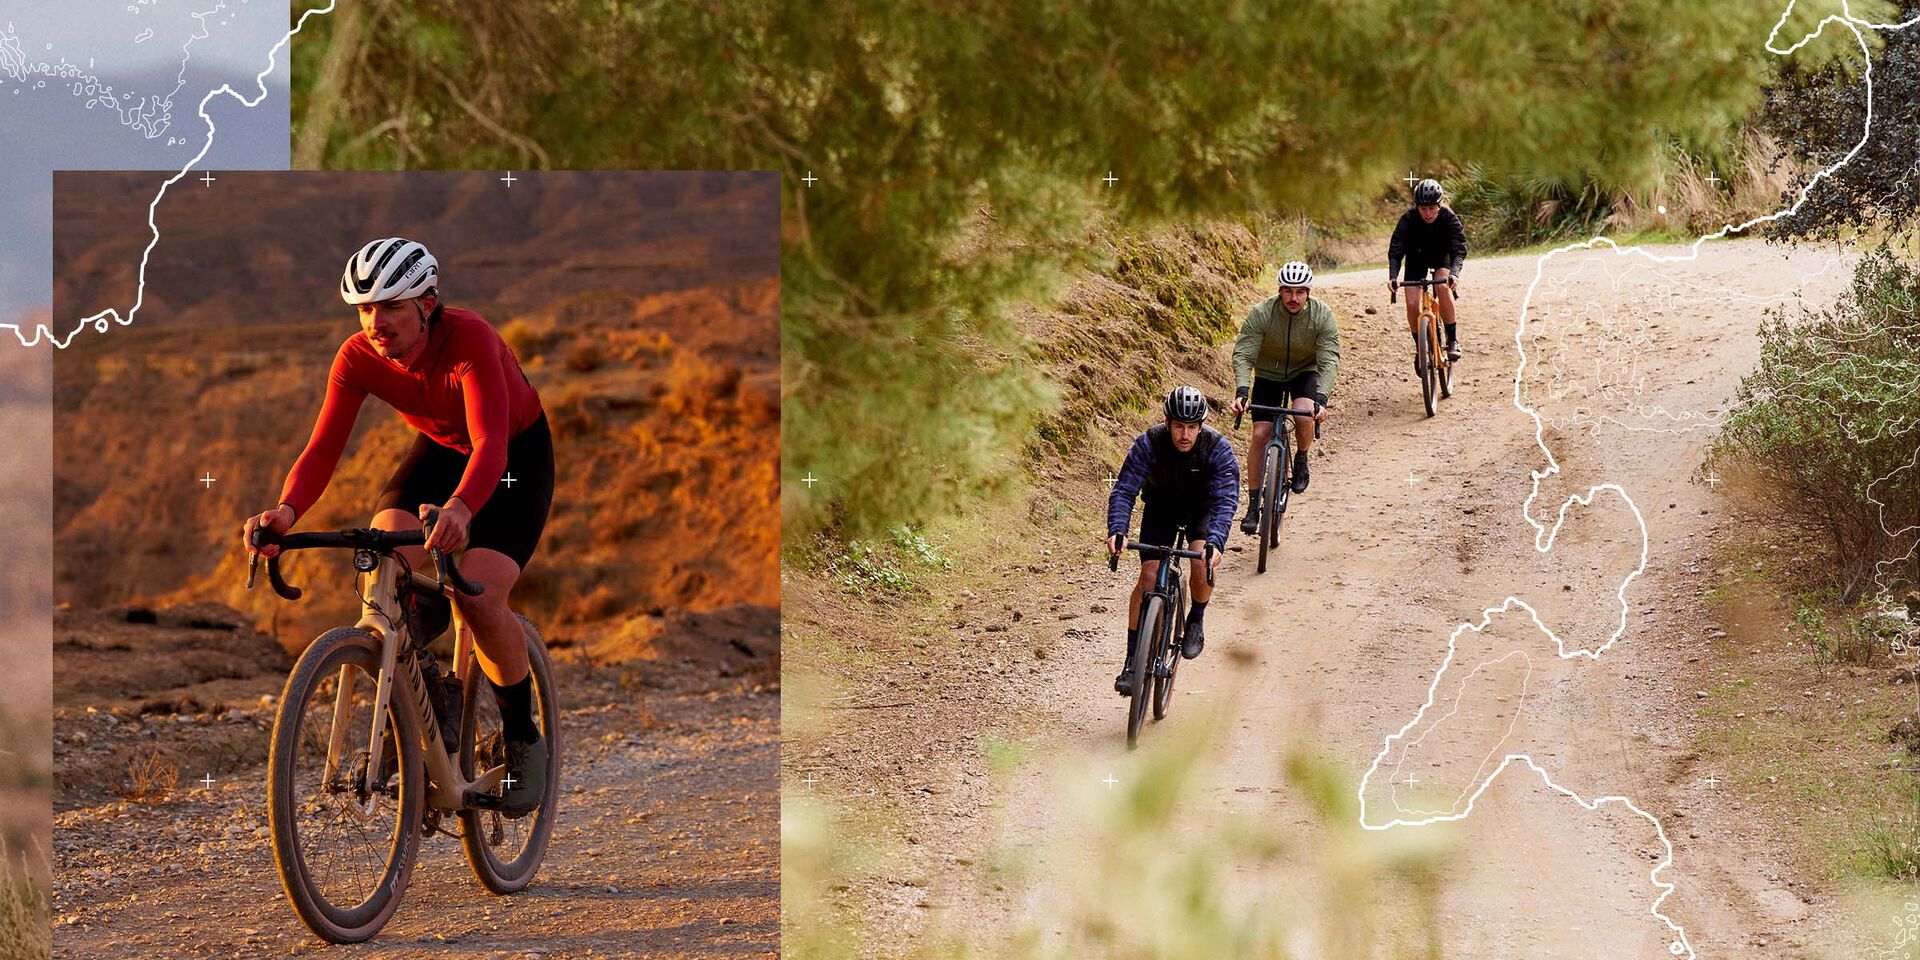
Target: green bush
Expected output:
[1831,423]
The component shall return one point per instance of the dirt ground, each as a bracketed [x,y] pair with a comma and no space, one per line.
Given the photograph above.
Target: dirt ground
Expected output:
[1416,552]
[665,847]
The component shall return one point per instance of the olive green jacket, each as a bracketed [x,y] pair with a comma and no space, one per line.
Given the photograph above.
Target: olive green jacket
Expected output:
[1282,346]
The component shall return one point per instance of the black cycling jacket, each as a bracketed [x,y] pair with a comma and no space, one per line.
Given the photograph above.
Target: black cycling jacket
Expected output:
[1442,243]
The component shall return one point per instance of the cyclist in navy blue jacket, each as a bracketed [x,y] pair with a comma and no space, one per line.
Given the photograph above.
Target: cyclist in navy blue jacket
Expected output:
[1186,474]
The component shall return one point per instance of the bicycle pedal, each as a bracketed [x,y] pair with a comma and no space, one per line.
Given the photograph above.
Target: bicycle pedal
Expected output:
[483,801]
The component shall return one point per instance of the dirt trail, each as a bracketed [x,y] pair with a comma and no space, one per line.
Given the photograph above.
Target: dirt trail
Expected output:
[665,846]
[1412,527]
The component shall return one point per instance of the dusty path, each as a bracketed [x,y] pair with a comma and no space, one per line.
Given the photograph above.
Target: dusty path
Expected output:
[1413,527]
[666,844]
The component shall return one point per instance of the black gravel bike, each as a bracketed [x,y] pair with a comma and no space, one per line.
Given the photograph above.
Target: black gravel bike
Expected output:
[1276,480]
[1163,624]
[375,746]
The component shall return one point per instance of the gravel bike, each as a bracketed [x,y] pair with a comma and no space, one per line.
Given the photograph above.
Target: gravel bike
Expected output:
[1163,624]
[375,746]
[1430,356]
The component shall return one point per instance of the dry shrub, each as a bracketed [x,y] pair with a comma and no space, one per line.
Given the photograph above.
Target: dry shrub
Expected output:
[151,777]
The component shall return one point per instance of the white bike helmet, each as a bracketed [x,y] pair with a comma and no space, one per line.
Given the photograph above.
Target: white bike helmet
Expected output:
[1295,273]
[391,269]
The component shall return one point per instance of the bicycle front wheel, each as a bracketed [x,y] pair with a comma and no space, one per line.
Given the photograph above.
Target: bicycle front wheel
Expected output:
[1145,652]
[505,849]
[1271,477]
[344,841]
[1168,665]
[1429,376]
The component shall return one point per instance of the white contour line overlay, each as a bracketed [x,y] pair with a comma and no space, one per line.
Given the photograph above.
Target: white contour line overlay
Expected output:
[1544,537]
[99,321]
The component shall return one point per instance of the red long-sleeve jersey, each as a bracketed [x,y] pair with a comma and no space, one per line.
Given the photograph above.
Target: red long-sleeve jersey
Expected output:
[466,392]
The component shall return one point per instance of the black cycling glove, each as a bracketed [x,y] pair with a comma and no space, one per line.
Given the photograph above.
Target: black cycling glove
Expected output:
[1240,393]
[1320,398]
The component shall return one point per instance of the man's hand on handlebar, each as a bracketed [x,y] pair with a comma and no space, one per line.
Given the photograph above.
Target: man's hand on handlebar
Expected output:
[278,520]
[450,531]
[1241,400]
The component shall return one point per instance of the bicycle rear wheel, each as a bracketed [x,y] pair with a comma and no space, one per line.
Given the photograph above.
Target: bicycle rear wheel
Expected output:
[1145,651]
[344,853]
[1429,379]
[505,849]
[1169,666]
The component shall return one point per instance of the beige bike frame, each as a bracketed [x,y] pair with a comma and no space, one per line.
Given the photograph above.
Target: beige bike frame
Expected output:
[384,620]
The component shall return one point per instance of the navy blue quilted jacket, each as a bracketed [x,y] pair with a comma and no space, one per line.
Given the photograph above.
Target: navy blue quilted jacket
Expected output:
[1204,479]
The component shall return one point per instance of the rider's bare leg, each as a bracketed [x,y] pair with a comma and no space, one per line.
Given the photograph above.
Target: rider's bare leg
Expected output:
[1445,297]
[498,638]
[1202,591]
[1303,426]
[1149,570]
[1413,310]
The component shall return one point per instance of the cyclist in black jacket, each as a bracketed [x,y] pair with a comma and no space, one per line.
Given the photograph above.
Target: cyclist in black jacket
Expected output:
[1428,237]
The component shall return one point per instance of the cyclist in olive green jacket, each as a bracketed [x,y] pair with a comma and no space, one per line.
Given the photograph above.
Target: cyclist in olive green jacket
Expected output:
[1289,344]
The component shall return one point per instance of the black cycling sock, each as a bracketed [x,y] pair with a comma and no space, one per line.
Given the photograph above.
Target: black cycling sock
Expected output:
[1132,634]
[1253,494]
[1198,610]
[1450,335]
[516,709]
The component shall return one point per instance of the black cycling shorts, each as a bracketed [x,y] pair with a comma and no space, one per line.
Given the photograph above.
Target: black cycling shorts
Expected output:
[1270,393]
[1417,270]
[512,519]
[1157,526]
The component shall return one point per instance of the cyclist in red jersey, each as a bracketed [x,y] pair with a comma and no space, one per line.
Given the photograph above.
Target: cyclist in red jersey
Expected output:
[451,376]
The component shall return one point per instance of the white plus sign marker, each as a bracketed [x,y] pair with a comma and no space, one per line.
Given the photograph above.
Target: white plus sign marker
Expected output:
[508,480]
[809,479]
[208,480]
[208,781]
[810,781]
[508,179]
[1109,781]
[1410,178]
[1411,479]
[1110,179]
[509,782]
[1113,480]
[208,178]
[1411,780]
[1713,178]
[1712,480]
[1712,780]
[809,179]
